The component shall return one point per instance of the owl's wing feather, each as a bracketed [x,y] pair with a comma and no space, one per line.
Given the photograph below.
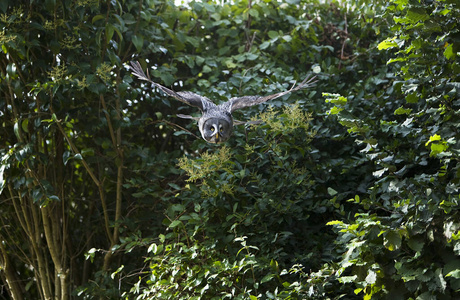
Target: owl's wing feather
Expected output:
[189,98]
[246,101]
[188,117]
[254,122]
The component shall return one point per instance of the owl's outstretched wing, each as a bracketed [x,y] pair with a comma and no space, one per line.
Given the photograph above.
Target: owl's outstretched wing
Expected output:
[246,101]
[189,98]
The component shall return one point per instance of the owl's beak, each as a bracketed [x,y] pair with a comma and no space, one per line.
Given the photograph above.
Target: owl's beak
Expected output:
[215,138]
[215,134]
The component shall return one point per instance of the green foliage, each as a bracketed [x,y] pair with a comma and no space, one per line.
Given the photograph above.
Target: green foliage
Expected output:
[213,251]
[346,190]
[402,243]
[73,145]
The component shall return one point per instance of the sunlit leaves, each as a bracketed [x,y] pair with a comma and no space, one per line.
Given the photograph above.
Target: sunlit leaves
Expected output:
[412,149]
[388,43]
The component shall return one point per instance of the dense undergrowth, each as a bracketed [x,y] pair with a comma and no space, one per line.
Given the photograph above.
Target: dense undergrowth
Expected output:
[346,190]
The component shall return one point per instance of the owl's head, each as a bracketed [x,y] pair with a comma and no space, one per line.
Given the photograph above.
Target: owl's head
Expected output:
[216,130]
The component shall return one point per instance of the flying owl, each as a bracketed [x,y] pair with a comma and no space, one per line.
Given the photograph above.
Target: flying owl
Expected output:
[216,122]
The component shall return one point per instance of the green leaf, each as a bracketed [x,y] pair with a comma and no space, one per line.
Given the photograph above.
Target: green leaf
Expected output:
[174,186]
[109,31]
[254,12]
[392,240]
[335,110]
[175,223]
[433,138]
[335,98]
[287,38]
[416,14]
[264,45]
[97,18]
[54,198]
[335,222]
[402,111]
[455,274]
[267,278]
[117,271]
[331,191]
[440,281]
[25,125]
[273,34]
[412,98]
[426,296]
[347,279]
[16,130]
[229,63]
[387,44]
[449,52]
[416,243]
[152,248]
[437,148]
[398,59]
[138,42]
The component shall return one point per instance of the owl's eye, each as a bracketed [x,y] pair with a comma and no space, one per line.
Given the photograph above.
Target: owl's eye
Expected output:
[222,129]
[212,129]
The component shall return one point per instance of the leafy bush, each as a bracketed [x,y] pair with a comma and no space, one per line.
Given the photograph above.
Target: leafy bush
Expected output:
[404,244]
[344,190]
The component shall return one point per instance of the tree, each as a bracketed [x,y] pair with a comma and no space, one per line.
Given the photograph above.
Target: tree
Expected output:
[64,160]
[105,193]
[404,241]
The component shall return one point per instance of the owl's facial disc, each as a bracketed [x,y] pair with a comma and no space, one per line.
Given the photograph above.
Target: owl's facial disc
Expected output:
[216,130]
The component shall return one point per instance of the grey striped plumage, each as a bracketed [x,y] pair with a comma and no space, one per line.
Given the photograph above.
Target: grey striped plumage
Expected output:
[216,122]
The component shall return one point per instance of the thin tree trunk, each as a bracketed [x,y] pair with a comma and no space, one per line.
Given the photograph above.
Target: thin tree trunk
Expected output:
[8,274]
